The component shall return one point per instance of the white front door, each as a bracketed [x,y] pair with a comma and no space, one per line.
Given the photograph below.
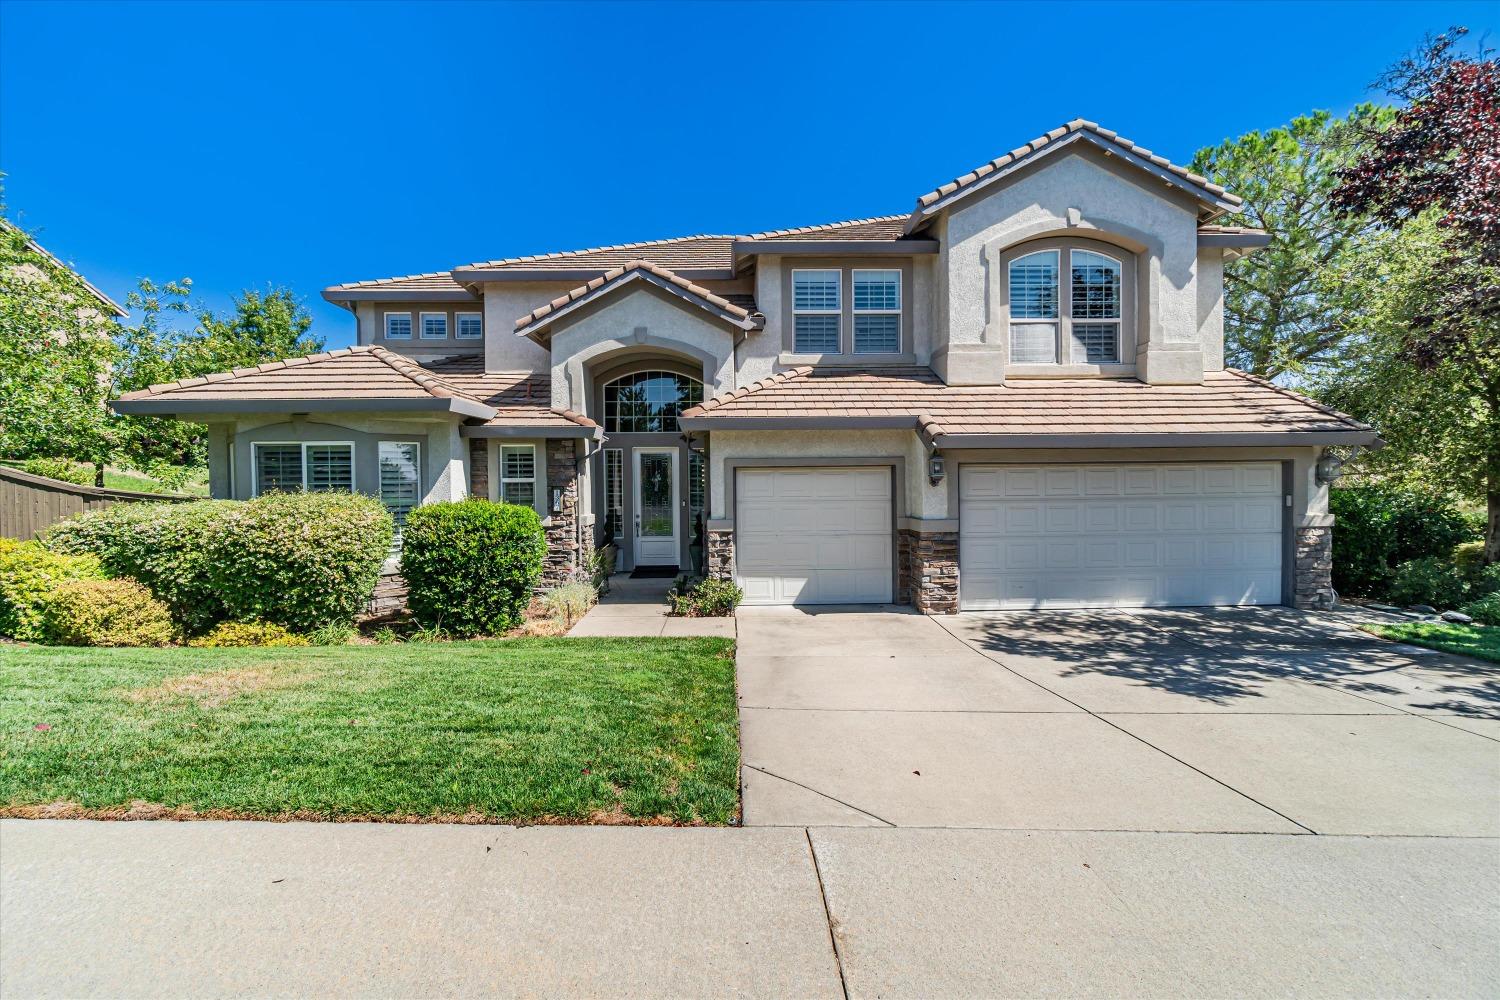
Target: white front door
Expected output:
[1119,536]
[656,503]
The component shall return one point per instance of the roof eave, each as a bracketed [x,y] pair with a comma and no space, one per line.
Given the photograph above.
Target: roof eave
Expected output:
[169,406]
[576,431]
[535,329]
[1241,439]
[1235,241]
[341,296]
[478,275]
[823,248]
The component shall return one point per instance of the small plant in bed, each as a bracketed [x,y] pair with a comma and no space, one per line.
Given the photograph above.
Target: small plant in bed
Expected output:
[521,730]
[704,598]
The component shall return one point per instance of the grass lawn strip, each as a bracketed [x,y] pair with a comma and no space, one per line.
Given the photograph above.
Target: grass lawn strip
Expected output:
[524,730]
[1479,641]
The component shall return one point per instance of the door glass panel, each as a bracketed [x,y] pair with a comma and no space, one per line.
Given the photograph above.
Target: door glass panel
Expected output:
[656,495]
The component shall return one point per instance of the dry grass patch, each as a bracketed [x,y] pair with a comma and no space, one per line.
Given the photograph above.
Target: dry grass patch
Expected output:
[213,689]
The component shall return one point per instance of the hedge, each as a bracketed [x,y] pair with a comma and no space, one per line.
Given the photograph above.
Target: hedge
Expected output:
[471,566]
[105,613]
[29,572]
[1378,527]
[299,560]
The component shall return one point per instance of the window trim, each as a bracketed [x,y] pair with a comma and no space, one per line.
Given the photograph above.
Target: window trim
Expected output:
[303,445]
[653,369]
[458,333]
[999,328]
[855,311]
[387,326]
[422,332]
[912,329]
[838,311]
[380,484]
[501,478]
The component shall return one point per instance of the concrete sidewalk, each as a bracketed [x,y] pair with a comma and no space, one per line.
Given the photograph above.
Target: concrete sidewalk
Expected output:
[639,607]
[210,909]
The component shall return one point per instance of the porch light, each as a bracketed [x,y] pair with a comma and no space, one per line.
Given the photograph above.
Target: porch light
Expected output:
[1329,468]
[935,470]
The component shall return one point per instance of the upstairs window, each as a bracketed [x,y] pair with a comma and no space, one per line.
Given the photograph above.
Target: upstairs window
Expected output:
[877,312]
[317,467]
[1082,323]
[817,307]
[398,326]
[469,326]
[434,326]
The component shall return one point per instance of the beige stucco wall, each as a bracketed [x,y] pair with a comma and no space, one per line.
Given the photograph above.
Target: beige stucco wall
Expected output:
[371,328]
[1081,193]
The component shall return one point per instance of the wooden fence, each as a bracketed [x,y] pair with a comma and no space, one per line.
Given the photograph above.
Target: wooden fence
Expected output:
[29,504]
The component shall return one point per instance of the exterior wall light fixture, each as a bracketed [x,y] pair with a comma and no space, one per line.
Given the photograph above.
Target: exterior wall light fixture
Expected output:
[935,469]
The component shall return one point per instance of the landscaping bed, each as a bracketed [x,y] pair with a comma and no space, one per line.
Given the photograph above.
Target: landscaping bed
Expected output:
[524,730]
[1482,642]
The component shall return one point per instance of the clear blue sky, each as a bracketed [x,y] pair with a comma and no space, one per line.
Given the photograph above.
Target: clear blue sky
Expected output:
[308,144]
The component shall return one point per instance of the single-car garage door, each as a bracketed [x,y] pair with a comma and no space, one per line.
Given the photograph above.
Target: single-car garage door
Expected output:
[813,536]
[1119,536]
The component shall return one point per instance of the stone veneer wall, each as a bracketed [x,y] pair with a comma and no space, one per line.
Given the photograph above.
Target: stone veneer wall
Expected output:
[718,556]
[479,468]
[562,525]
[927,570]
[1312,574]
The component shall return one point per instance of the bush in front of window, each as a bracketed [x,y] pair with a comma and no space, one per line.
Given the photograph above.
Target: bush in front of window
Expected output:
[471,565]
[29,573]
[299,560]
[105,613]
[163,545]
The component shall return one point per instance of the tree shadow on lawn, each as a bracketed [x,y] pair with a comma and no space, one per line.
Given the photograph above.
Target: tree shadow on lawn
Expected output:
[1224,655]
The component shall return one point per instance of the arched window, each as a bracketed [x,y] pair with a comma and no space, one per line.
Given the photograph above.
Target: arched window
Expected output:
[1084,326]
[648,402]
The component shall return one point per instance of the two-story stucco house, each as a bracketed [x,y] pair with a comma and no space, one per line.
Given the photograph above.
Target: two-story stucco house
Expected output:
[1012,397]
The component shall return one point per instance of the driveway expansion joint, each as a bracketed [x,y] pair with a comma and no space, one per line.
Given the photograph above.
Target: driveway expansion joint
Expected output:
[833,935]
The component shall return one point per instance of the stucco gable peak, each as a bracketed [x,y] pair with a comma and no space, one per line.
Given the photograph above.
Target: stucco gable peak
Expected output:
[617,278]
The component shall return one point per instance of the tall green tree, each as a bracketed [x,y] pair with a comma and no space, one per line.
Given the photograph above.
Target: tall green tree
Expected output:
[1285,312]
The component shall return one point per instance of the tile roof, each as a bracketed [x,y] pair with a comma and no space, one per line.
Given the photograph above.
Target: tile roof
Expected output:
[433,281]
[884,227]
[1078,126]
[364,372]
[683,252]
[520,399]
[634,270]
[1227,404]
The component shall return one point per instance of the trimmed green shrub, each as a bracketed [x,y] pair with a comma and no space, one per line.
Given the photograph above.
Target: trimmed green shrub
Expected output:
[1485,611]
[249,634]
[1430,580]
[105,613]
[301,560]
[1380,526]
[163,545]
[29,572]
[471,566]
[64,469]
[705,599]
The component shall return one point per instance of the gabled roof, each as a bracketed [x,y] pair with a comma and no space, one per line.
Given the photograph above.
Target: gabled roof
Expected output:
[883,227]
[352,378]
[1201,188]
[437,286]
[683,253]
[109,304]
[522,401]
[1230,408]
[617,279]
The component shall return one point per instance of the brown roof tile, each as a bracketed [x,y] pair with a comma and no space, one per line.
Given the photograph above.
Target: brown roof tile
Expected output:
[519,398]
[434,281]
[1227,403]
[885,227]
[611,279]
[685,252]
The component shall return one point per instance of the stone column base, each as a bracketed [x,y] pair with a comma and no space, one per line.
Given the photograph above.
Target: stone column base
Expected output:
[718,555]
[562,524]
[927,570]
[1312,574]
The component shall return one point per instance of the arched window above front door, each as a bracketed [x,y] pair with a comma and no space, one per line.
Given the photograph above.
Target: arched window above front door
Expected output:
[648,402]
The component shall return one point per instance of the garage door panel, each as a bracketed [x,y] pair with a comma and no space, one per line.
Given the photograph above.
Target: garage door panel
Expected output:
[814,536]
[1120,535]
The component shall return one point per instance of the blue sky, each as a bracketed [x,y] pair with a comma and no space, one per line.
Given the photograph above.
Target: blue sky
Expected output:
[307,144]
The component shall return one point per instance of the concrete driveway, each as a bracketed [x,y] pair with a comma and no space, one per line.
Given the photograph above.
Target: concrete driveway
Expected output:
[1259,720]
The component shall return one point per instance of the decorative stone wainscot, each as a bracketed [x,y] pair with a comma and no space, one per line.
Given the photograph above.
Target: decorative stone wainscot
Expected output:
[1313,571]
[927,570]
[563,552]
[718,557]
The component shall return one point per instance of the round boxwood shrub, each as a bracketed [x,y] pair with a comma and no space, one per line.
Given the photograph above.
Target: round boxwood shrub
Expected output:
[300,560]
[29,572]
[471,566]
[105,613]
[1379,526]
[163,545]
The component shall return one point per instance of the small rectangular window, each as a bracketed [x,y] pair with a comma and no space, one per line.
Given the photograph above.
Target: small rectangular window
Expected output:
[1096,343]
[278,467]
[1033,343]
[817,305]
[614,492]
[469,326]
[328,467]
[877,312]
[316,467]
[434,326]
[400,482]
[518,474]
[398,326]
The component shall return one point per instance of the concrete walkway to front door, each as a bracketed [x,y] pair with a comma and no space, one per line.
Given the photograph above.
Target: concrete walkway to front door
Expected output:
[639,607]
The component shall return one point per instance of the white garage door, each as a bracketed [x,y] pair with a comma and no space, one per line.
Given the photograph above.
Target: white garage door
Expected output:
[813,536]
[1118,536]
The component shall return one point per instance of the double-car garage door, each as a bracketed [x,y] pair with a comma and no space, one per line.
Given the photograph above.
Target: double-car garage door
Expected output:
[1042,536]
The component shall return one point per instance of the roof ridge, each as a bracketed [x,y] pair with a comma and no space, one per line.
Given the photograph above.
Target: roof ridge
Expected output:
[615,274]
[1267,383]
[561,254]
[399,277]
[822,227]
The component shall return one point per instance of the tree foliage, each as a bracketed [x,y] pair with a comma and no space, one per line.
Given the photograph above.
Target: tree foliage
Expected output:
[1284,310]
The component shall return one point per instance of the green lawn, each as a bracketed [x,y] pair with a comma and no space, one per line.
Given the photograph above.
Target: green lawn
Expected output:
[139,482]
[605,730]
[1470,640]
